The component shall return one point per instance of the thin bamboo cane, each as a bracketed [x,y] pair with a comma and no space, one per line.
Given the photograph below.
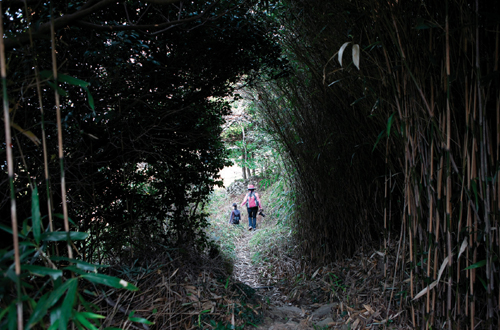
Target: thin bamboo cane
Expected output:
[59,136]
[44,139]
[10,169]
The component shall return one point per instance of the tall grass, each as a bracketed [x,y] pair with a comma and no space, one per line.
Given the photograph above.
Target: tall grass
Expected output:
[274,248]
[223,234]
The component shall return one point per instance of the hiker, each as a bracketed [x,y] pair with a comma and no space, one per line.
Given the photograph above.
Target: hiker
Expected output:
[235,216]
[253,204]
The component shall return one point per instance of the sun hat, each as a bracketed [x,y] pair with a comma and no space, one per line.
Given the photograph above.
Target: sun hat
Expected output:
[251,187]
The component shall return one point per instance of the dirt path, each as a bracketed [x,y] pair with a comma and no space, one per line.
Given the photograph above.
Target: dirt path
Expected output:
[279,315]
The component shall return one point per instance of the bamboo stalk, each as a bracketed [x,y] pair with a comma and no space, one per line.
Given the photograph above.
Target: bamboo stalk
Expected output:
[59,136]
[10,169]
[44,139]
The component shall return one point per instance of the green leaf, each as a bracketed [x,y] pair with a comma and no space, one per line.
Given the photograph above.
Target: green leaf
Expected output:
[59,90]
[483,282]
[111,281]
[90,315]
[91,99]
[67,305]
[477,265]
[57,293]
[46,74]
[86,323]
[79,263]
[138,319]
[75,270]
[35,215]
[57,236]
[389,124]
[40,310]
[55,316]
[12,317]
[42,271]
[72,80]
[423,25]
[3,312]
[54,325]
[9,230]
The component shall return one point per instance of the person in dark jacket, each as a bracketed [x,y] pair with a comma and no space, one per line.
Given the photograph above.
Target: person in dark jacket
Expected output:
[235,216]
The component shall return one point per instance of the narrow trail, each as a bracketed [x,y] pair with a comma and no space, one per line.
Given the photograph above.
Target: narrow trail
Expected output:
[278,315]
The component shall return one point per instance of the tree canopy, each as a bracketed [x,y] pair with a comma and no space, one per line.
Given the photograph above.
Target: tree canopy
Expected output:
[144,86]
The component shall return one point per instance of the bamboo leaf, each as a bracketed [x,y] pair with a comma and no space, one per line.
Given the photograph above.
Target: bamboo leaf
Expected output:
[59,90]
[360,99]
[40,310]
[139,319]
[483,282]
[72,80]
[63,236]
[355,55]
[341,51]
[389,124]
[55,316]
[57,293]
[90,315]
[478,264]
[29,134]
[86,323]
[67,305]
[79,263]
[9,230]
[35,215]
[12,317]
[111,281]
[378,139]
[46,74]
[462,247]
[43,271]
[433,284]
[91,99]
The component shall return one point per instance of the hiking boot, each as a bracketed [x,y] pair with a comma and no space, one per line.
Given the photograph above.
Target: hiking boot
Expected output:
[249,228]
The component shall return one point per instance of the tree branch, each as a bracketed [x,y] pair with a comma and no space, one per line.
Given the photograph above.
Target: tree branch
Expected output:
[62,21]
[88,9]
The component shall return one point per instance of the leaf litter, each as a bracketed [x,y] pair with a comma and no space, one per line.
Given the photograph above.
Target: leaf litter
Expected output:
[189,291]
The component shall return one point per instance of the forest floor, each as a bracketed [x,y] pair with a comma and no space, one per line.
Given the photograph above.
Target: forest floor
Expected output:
[259,282]
[345,295]
[355,293]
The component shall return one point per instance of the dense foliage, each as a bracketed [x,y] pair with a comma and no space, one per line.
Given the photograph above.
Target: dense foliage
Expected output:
[390,124]
[141,141]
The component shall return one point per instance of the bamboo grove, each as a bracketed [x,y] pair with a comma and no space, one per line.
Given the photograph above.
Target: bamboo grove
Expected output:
[402,152]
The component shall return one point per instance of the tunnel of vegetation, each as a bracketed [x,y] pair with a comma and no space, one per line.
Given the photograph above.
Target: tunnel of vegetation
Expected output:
[387,114]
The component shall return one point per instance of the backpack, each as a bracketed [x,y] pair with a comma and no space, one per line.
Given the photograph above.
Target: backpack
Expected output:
[252,200]
[236,217]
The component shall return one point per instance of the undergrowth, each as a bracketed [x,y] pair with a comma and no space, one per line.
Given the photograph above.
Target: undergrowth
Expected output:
[223,234]
[273,246]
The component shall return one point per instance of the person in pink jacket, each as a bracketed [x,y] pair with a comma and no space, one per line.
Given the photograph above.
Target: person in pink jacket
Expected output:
[253,204]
